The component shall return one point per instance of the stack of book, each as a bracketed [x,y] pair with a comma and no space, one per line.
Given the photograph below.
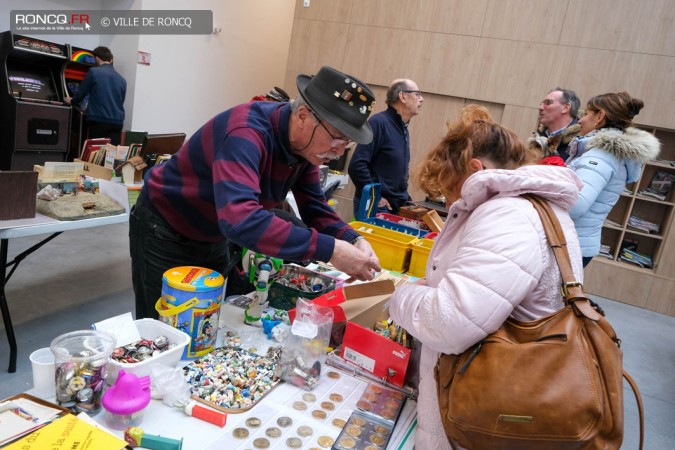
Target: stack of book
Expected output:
[633,257]
[645,226]
[606,251]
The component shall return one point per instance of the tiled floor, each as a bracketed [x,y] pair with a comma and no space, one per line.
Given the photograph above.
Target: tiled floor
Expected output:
[84,276]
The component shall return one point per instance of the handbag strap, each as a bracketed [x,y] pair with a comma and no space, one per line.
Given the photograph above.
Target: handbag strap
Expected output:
[572,289]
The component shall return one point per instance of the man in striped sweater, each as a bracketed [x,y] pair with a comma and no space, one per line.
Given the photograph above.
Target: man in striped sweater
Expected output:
[219,188]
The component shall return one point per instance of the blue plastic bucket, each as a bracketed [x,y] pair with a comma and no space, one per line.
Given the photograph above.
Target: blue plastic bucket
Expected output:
[190,302]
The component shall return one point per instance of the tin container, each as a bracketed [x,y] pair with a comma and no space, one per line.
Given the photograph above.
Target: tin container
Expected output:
[190,302]
[81,359]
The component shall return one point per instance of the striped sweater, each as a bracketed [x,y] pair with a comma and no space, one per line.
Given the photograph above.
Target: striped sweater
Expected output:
[224,180]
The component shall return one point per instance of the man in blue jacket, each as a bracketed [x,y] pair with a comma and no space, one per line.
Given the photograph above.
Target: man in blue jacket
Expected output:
[385,160]
[106,89]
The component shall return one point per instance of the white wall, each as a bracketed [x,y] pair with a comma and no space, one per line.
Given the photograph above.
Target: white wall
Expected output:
[191,78]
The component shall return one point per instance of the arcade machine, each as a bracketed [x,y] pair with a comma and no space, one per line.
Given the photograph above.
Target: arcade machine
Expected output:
[36,121]
[79,63]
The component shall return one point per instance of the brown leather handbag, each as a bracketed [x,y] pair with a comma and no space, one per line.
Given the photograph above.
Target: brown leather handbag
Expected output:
[555,383]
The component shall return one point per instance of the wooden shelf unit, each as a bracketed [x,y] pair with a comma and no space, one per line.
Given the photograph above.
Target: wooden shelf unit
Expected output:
[612,277]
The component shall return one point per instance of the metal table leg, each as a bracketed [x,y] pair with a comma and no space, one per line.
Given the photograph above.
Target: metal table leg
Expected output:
[6,318]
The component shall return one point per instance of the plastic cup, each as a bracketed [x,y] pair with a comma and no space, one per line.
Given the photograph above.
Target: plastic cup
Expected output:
[81,359]
[42,362]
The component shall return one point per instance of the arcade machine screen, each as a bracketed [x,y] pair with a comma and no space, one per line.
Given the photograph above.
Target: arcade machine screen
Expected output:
[32,82]
[80,62]
[73,87]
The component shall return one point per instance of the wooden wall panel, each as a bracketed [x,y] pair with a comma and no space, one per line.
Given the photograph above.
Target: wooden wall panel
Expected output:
[315,44]
[439,63]
[444,16]
[625,25]
[523,121]
[591,72]
[543,22]
[324,10]
[512,72]
[662,296]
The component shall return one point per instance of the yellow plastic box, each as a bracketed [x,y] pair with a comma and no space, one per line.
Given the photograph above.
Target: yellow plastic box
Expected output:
[391,247]
[418,259]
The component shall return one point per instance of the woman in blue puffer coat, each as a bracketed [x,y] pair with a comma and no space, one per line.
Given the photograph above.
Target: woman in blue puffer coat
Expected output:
[607,155]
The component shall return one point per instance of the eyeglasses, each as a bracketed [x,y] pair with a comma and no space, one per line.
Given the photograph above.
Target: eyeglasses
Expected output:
[548,102]
[417,93]
[337,141]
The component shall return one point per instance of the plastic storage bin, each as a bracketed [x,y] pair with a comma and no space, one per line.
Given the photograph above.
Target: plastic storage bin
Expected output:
[418,259]
[391,247]
[285,297]
[396,227]
[150,329]
[405,221]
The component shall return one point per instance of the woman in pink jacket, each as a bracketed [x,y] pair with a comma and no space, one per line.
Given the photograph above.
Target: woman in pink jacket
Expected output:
[491,260]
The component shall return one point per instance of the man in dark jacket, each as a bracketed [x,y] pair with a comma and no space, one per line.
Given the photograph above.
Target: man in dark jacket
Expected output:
[385,160]
[106,89]
[557,115]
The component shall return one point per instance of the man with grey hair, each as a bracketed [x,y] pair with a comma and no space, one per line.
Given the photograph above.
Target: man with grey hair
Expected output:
[385,160]
[558,116]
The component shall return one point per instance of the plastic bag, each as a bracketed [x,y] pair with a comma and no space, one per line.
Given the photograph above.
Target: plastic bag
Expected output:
[304,352]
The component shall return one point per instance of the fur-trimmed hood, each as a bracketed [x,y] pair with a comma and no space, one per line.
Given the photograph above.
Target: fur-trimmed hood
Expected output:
[632,143]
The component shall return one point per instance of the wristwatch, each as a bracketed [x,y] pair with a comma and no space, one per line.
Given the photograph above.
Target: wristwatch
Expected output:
[356,239]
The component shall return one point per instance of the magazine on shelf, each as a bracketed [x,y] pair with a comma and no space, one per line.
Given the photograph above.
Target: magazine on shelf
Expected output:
[643,225]
[660,185]
[634,257]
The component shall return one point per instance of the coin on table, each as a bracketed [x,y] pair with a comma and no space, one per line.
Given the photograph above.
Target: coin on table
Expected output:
[333,375]
[240,433]
[374,389]
[310,398]
[284,421]
[328,406]
[377,439]
[358,421]
[391,404]
[300,406]
[294,442]
[273,432]
[253,422]
[305,431]
[381,429]
[335,397]
[325,441]
[353,431]
[338,423]
[347,442]
[361,404]
[318,414]
[261,443]
[372,398]
[388,413]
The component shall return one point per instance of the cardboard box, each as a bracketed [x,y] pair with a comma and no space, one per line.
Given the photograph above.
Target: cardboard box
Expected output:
[18,192]
[377,354]
[360,303]
[356,309]
[96,171]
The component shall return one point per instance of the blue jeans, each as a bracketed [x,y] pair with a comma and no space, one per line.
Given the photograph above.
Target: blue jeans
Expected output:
[155,247]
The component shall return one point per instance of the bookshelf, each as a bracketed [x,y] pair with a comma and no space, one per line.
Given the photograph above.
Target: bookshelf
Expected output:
[651,286]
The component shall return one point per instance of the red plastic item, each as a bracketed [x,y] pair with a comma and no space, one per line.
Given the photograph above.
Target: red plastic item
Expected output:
[206,414]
